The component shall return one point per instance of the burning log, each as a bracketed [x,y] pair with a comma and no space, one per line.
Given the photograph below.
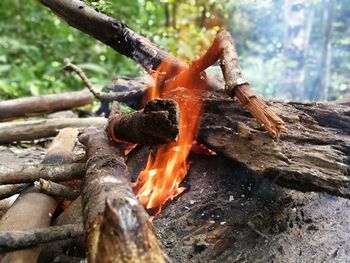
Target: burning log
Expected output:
[57,190]
[30,173]
[156,124]
[116,224]
[24,107]
[30,130]
[32,209]
[11,189]
[12,240]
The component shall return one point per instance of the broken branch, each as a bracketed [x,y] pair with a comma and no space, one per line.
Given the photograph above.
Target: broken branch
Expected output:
[55,189]
[156,124]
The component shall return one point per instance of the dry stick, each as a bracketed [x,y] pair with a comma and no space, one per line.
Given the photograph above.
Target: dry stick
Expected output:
[57,190]
[32,209]
[133,97]
[33,172]
[29,106]
[223,48]
[10,240]
[156,124]
[11,189]
[30,130]
[116,224]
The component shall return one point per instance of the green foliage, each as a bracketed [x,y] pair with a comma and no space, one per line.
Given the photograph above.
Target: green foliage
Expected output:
[34,42]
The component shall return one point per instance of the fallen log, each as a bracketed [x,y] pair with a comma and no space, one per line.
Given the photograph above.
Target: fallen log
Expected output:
[33,209]
[29,173]
[29,106]
[12,240]
[314,155]
[11,189]
[116,224]
[156,124]
[31,130]
[56,190]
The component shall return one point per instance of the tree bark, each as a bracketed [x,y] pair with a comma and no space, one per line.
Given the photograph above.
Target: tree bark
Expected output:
[31,130]
[12,240]
[156,124]
[314,155]
[116,224]
[29,173]
[30,106]
[32,209]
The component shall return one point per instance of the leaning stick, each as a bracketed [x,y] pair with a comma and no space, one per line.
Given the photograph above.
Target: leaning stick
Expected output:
[224,48]
[33,172]
[12,240]
[55,189]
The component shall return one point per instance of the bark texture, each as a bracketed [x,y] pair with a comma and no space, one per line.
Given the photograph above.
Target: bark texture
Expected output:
[31,130]
[314,155]
[156,124]
[117,226]
[11,189]
[29,173]
[29,106]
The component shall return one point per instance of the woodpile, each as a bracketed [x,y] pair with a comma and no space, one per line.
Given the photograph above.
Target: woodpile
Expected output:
[88,203]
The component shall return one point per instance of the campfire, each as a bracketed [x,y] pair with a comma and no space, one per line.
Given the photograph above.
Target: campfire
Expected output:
[113,189]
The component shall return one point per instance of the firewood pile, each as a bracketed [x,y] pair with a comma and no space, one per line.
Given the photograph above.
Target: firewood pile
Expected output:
[266,177]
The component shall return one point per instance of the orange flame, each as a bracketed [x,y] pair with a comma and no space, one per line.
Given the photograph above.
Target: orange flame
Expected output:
[160,180]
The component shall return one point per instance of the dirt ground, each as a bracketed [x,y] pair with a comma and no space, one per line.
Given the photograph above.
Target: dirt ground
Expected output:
[227,215]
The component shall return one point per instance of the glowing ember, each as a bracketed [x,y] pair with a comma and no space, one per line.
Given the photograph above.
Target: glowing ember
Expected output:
[160,180]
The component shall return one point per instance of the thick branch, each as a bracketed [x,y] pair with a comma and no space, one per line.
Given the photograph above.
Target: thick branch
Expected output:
[33,172]
[116,223]
[114,34]
[10,240]
[30,130]
[156,124]
[43,104]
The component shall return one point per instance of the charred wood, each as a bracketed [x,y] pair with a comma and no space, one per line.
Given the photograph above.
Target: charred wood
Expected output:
[156,124]
[116,224]
[30,106]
